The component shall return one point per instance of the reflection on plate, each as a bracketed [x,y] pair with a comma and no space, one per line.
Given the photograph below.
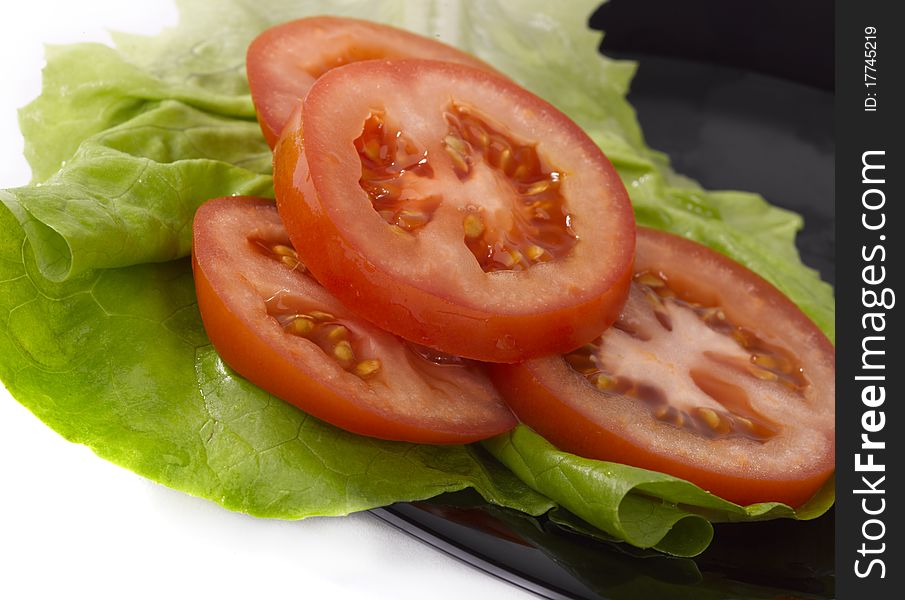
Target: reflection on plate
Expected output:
[777,559]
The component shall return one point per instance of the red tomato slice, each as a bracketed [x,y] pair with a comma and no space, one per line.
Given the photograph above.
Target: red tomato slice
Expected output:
[276,326]
[284,61]
[710,374]
[455,209]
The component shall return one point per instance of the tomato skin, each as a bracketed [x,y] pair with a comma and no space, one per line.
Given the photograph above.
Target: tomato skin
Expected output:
[424,316]
[535,392]
[243,344]
[277,76]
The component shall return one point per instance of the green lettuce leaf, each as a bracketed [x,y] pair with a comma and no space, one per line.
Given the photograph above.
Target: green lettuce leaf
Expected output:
[128,194]
[126,142]
[118,360]
[88,88]
[645,508]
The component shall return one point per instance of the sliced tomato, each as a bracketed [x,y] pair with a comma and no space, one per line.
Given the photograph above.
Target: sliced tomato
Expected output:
[284,61]
[455,209]
[275,325]
[710,374]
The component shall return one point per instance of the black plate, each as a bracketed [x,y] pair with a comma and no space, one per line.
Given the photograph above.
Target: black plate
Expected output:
[734,129]
[728,128]
[775,559]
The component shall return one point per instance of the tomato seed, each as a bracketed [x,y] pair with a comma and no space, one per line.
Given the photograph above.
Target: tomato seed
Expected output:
[410,219]
[746,423]
[367,368]
[290,262]
[505,157]
[709,416]
[302,326]
[457,150]
[535,252]
[343,351]
[337,333]
[473,225]
[649,279]
[763,374]
[456,144]
[765,360]
[603,382]
[372,149]
[670,414]
[712,314]
[538,187]
[281,250]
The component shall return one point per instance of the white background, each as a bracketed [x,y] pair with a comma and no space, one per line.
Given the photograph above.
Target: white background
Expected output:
[75,526]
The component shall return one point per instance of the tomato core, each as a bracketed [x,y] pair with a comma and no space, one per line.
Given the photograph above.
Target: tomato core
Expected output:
[391,174]
[729,412]
[329,333]
[533,226]
[334,336]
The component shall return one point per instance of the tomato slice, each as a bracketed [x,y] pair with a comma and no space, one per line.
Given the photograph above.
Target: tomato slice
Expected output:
[710,374]
[284,61]
[455,209]
[276,326]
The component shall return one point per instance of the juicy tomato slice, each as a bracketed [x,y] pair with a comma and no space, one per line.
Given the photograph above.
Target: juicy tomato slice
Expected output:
[284,61]
[276,326]
[710,374]
[455,209]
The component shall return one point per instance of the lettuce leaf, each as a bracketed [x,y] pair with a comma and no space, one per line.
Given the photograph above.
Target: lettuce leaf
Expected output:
[118,360]
[128,194]
[645,508]
[89,88]
[99,332]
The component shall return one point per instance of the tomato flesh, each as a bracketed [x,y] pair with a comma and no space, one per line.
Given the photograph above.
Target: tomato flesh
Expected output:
[276,326]
[455,209]
[709,374]
[284,61]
